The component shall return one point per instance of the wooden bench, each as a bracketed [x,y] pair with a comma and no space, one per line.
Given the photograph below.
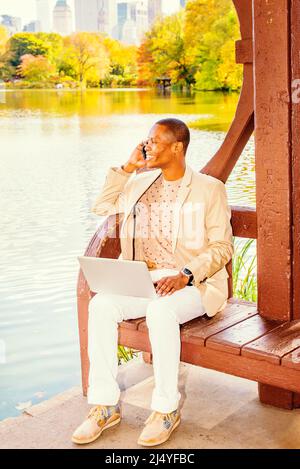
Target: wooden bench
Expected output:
[237,340]
[260,343]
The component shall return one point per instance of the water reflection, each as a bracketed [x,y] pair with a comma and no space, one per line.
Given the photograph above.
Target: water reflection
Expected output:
[55,150]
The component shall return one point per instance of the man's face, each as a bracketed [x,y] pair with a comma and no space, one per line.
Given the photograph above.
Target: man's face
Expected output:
[160,147]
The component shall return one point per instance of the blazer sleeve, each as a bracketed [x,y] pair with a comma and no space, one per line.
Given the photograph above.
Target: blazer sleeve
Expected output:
[219,250]
[110,201]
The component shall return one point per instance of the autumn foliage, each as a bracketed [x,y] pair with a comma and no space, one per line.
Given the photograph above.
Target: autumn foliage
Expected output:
[193,48]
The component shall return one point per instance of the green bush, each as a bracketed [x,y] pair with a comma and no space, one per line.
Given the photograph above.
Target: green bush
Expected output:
[125,354]
[244,268]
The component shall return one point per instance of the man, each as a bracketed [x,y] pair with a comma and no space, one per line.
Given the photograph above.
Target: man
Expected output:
[178,222]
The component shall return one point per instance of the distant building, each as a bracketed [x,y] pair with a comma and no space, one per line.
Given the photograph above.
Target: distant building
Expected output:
[86,15]
[107,17]
[97,16]
[13,24]
[154,10]
[123,14]
[43,14]
[129,30]
[142,21]
[133,21]
[32,27]
[62,18]
[136,23]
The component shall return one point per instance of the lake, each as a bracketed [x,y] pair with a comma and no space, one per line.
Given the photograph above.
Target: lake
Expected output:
[56,147]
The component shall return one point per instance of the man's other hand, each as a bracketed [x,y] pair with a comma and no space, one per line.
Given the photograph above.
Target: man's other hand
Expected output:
[168,285]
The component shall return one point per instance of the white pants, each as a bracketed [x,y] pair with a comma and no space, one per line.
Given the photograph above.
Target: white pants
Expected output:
[163,316]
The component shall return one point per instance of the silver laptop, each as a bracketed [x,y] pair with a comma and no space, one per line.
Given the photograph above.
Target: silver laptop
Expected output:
[130,278]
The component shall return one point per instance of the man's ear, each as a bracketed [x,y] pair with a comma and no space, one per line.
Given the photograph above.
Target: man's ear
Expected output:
[178,147]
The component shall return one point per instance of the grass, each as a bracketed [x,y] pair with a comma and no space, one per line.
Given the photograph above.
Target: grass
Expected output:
[244,271]
[244,283]
[125,354]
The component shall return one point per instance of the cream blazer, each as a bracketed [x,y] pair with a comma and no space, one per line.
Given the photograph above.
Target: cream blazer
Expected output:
[202,233]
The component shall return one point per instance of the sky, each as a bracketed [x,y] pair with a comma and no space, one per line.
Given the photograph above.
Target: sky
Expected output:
[27,11]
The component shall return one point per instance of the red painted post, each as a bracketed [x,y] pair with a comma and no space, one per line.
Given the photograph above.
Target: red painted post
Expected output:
[273,157]
[223,162]
[295,76]
[276,182]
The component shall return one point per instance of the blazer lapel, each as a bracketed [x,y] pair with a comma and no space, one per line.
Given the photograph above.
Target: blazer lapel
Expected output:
[183,192]
[139,188]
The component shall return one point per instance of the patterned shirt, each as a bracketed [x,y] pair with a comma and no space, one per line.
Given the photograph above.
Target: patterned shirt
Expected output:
[154,223]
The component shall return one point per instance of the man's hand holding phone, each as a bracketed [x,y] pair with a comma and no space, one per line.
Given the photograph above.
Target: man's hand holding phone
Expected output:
[137,159]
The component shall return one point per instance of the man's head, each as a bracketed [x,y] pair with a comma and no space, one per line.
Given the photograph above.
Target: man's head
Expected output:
[167,143]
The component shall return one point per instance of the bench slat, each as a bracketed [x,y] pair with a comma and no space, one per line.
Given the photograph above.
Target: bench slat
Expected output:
[231,340]
[274,345]
[135,323]
[200,329]
[292,360]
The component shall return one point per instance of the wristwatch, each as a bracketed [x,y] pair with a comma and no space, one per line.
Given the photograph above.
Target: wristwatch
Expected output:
[188,274]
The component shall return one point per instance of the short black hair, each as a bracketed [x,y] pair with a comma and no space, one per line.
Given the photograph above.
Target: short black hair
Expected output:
[179,129]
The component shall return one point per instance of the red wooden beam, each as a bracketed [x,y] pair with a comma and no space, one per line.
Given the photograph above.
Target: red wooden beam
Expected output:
[244,51]
[276,61]
[244,222]
[223,162]
[273,157]
[295,125]
[237,365]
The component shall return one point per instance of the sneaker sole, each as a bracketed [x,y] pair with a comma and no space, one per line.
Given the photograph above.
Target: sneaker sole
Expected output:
[80,442]
[160,442]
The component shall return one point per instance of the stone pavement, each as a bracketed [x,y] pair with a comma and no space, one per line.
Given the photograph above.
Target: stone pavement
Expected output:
[218,411]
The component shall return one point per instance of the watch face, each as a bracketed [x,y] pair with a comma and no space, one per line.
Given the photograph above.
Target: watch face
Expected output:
[187,272]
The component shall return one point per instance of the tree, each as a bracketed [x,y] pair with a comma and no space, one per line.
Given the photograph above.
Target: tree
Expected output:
[3,40]
[54,43]
[211,29]
[36,68]
[195,46]
[230,75]
[122,62]
[122,58]
[6,70]
[84,57]
[200,16]
[170,56]
[145,63]
[27,44]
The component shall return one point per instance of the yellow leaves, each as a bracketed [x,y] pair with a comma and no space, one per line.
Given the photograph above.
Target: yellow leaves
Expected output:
[120,55]
[194,46]
[36,68]
[3,39]
[85,53]
[229,73]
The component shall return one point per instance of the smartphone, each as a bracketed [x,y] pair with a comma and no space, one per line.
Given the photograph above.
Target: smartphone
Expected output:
[144,152]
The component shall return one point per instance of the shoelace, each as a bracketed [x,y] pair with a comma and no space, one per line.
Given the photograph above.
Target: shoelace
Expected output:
[98,412]
[158,416]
